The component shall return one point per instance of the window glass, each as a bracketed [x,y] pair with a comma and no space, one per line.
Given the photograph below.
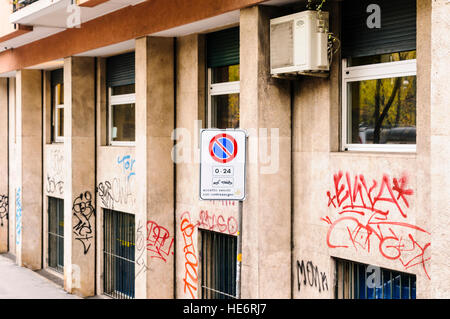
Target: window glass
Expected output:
[382,111]
[58,112]
[123,89]
[226,110]
[60,119]
[123,122]
[122,113]
[384,284]
[382,58]
[228,73]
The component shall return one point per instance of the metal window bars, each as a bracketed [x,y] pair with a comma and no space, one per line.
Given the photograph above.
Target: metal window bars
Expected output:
[119,255]
[218,265]
[356,281]
[56,234]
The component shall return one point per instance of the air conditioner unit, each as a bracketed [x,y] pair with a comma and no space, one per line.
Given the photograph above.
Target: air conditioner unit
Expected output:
[299,43]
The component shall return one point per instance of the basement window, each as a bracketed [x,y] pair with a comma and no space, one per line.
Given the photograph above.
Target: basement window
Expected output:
[361,281]
[56,234]
[118,254]
[218,265]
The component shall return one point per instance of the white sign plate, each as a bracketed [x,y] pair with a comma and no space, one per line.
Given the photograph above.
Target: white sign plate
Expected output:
[222,164]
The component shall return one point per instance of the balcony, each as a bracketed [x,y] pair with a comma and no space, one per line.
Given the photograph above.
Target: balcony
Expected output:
[19,4]
[58,13]
[48,13]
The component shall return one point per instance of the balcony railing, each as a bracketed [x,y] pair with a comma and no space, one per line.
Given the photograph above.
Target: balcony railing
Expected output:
[19,4]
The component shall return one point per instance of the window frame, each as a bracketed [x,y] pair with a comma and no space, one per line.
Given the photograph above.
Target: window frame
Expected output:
[344,287]
[216,89]
[119,100]
[58,204]
[372,72]
[57,105]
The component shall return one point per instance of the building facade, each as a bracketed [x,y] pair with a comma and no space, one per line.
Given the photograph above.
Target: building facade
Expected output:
[347,179]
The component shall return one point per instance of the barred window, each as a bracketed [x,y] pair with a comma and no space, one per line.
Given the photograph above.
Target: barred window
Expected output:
[361,281]
[218,265]
[118,254]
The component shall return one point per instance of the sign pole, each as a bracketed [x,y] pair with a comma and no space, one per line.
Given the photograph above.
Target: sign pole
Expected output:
[239,252]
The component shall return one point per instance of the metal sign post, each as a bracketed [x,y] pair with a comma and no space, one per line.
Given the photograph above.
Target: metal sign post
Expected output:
[223,155]
[222,164]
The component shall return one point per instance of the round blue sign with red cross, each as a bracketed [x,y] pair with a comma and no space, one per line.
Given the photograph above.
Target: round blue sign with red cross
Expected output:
[223,148]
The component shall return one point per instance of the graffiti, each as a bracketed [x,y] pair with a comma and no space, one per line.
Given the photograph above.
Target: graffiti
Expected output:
[114,192]
[53,186]
[159,242]
[224,202]
[311,276]
[190,257]
[369,213]
[55,172]
[3,208]
[140,248]
[56,162]
[127,165]
[213,222]
[83,211]
[18,216]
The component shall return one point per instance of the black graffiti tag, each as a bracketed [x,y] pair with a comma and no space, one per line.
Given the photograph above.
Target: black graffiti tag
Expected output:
[4,208]
[83,211]
[311,276]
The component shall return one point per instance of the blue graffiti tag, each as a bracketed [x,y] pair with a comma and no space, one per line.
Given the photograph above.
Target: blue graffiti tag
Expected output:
[127,164]
[18,216]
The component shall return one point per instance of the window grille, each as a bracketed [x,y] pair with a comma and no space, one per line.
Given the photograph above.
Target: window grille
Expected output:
[56,234]
[118,254]
[218,265]
[360,281]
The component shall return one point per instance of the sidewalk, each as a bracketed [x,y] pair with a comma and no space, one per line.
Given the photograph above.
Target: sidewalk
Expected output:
[22,283]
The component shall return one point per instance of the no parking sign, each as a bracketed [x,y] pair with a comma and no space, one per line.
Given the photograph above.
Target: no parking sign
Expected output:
[222,164]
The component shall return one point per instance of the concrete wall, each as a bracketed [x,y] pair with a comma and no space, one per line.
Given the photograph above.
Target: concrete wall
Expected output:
[28,197]
[264,104]
[4,195]
[191,213]
[397,239]
[439,148]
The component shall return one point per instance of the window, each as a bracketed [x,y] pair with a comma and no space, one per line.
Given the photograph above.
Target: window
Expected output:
[223,78]
[122,110]
[120,82]
[379,78]
[218,265]
[118,254]
[360,281]
[58,105]
[56,234]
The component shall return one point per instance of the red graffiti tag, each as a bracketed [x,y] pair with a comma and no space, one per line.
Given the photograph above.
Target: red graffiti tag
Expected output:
[190,257]
[213,222]
[159,242]
[360,213]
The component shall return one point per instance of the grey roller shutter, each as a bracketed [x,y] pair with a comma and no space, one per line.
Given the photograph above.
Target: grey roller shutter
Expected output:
[120,69]
[397,32]
[223,48]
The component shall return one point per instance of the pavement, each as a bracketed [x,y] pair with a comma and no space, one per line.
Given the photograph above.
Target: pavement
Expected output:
[22,283]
